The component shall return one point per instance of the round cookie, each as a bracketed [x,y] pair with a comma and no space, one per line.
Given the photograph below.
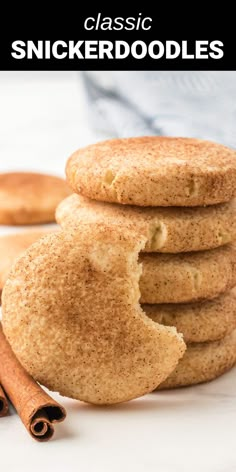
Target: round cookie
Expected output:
[154,171]
[11,246]
[57,306]
[198,322]
[170,230]
[28,198]
[176,278]
[203,362]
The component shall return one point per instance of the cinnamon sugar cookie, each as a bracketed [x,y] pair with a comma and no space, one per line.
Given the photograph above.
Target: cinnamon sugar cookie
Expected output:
[203,362]
[198,322]
[176,278]
[154,171]
[170,230]
[28,198]
[71,314]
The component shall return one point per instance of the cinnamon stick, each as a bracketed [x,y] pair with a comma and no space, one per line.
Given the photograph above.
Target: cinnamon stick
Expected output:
[3,403]
[37,410]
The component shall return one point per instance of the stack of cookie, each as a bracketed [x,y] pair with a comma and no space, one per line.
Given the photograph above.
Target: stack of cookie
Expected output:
[178,193]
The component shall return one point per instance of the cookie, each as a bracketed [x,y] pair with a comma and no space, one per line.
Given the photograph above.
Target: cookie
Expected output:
[72,316]
[203,362]
[11,246]
[170,230]
[28,198]
[198,322]
[176,278]
[154,171]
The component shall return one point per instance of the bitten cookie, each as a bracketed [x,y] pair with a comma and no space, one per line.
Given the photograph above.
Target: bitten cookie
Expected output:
[203,362]
[11,246]
[72,316]
[170,230]
[154,171]
[28,198]
[176,278]
[198,322]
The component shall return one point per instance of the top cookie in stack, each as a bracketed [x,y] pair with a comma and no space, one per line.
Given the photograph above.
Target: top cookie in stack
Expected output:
[154,171]
[179,193]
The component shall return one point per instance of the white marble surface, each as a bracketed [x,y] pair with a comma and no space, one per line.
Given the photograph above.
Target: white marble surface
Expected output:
[189,430]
